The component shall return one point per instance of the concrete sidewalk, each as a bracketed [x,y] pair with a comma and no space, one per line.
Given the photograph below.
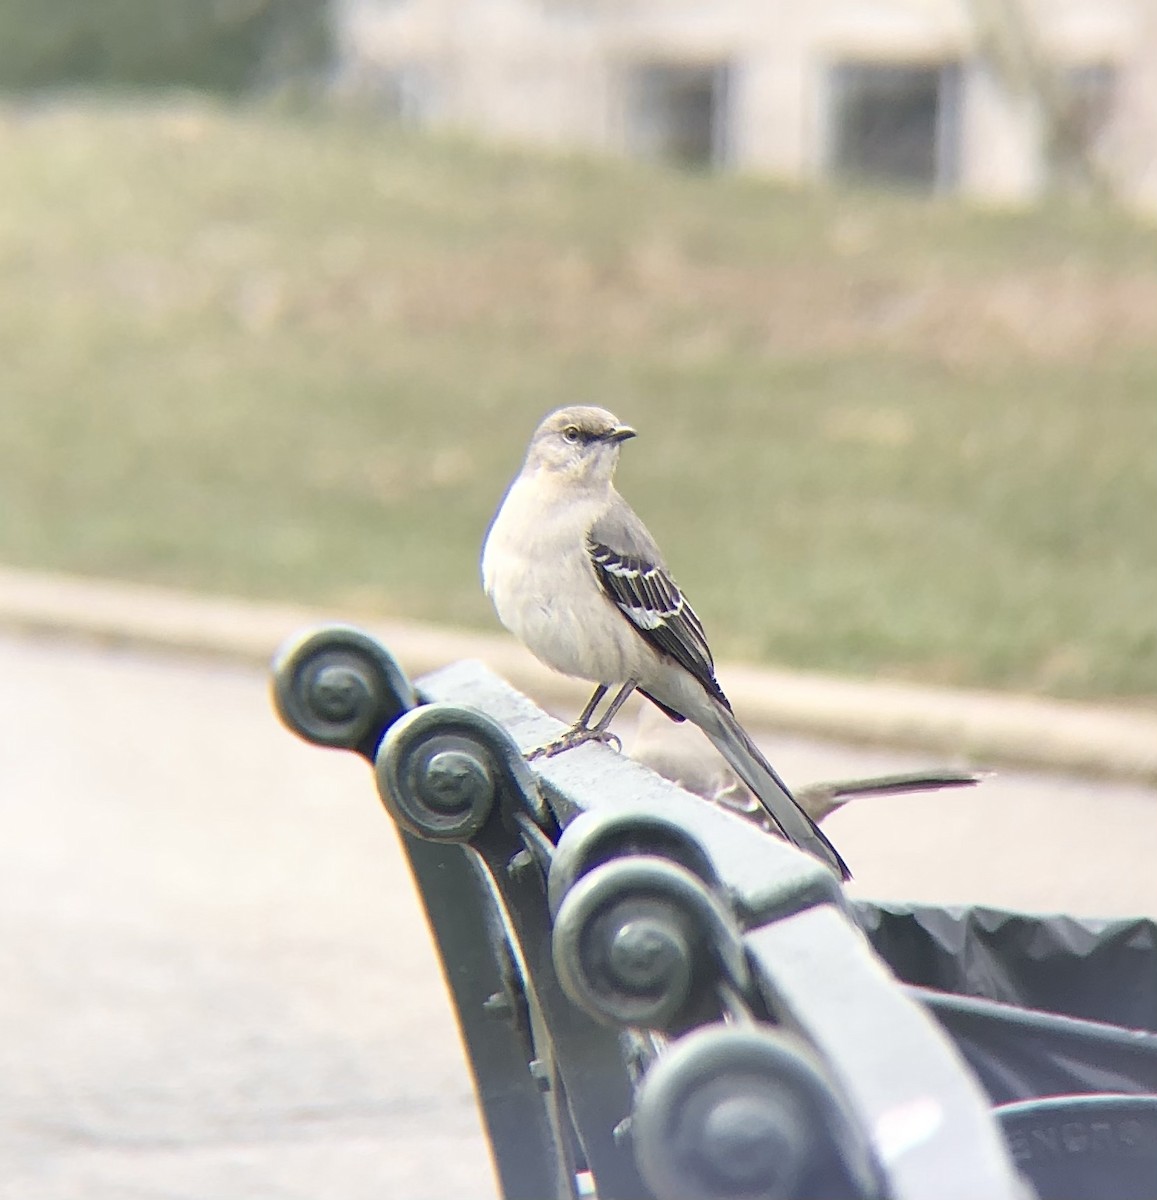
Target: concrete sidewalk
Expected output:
[218,982]
[981,727]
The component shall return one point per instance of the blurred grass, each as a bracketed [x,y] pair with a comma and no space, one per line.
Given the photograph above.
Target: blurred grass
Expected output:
[297,356]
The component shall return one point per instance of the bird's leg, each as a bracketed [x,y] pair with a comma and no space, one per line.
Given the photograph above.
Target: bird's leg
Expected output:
[576,734]
[600,730]
[592,704]
[581,731]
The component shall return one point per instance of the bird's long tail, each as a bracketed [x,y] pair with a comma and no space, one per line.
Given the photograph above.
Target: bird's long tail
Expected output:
[747,761]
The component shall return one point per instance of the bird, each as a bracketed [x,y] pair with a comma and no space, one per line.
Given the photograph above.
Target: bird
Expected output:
[682,754]
[574,574]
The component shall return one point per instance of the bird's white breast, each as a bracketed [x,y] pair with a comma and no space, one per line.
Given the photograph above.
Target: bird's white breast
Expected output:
[537,572]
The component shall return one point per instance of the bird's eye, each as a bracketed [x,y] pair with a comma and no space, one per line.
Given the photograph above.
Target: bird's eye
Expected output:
[571,434]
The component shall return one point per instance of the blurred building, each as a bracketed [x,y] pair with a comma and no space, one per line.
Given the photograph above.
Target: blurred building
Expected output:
[999,99]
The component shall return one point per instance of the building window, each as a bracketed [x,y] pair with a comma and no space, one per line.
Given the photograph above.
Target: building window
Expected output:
[679,113]
[895,123]
[581,9]
[404,92]
[1085,100]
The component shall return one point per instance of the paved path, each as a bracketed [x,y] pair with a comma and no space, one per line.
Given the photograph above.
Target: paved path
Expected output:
[216,983]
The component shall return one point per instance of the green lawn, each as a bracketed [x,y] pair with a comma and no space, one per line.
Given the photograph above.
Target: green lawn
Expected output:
[296,356]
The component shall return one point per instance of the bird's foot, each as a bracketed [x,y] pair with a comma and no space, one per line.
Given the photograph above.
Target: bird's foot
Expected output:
[576,736]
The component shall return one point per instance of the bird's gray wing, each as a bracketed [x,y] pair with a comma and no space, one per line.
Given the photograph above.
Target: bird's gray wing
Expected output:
[630,570]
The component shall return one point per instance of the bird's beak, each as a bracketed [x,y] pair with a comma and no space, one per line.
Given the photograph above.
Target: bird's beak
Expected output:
[620,433]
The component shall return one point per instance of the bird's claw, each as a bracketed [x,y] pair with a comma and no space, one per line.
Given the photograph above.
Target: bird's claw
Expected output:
[576,737]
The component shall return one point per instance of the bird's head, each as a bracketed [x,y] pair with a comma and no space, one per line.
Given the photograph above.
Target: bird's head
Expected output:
[581,443]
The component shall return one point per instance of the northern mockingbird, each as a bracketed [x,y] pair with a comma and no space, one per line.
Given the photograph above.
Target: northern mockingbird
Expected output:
[576,577]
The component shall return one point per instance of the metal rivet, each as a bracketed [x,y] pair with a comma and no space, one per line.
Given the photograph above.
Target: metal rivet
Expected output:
[498,1006]
[644,953]
[522,861]
[540,1074]
[336,691]
[743,1140]
[454,780]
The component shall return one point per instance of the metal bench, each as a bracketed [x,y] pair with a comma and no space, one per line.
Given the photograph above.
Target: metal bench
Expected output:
[660,1001]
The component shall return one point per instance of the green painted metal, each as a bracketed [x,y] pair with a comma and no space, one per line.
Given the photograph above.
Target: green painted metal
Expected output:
[659,1001]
